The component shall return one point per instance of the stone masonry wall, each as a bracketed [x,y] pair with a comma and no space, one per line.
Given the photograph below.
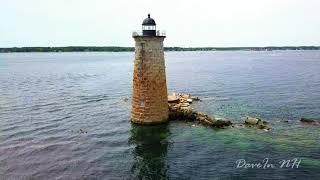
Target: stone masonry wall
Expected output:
[149,97]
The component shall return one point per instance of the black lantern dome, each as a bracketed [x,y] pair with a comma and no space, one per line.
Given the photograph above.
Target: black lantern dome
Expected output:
[148,21]
[149,27]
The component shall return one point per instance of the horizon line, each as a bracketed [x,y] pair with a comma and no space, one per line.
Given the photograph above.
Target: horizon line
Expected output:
[269,46]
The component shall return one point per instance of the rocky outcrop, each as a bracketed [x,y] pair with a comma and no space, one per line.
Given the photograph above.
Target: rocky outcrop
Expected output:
[180,109]
[252,120]
[260,124]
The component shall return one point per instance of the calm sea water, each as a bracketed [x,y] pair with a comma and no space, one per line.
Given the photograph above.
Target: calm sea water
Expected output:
[63,116]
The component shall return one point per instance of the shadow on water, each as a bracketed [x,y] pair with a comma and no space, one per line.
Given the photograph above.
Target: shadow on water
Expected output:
[150,152]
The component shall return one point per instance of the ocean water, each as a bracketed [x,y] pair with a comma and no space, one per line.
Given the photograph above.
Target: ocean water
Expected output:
[65,116]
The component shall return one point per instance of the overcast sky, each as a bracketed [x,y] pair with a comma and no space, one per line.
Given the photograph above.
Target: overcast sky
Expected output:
[187,23]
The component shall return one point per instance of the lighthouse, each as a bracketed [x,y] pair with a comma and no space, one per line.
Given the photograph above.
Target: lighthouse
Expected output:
[149,94]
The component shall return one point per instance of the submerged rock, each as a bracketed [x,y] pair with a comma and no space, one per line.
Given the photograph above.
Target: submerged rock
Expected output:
[195,99]
[310,121]
[307,120]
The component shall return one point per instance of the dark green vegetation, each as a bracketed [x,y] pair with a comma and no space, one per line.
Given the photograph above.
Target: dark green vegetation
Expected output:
[127,49]
[67,49]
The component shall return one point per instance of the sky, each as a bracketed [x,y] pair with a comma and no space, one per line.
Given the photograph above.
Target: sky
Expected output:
[194,23]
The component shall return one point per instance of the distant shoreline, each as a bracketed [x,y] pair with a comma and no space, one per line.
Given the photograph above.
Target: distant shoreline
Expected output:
[131,49]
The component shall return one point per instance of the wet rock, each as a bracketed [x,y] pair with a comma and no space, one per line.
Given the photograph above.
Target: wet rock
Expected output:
[211,121]
[173,99]
[207,122]
[257,122]
[195,99]
[263,126]
[307,120]
[310,121]
[204,118]
[185,96]
[181,98]
[222,123]
[183,111]
[185,104]
[252,120]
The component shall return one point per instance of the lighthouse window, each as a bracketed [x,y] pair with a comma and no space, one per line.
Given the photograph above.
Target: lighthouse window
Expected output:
[149,27]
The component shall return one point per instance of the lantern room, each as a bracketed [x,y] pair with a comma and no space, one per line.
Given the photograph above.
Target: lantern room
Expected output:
[149,27]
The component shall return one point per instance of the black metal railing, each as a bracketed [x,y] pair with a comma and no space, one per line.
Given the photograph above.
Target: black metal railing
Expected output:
[140,33]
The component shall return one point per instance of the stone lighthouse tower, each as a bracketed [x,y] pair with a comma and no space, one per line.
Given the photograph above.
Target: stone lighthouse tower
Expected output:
[149,99]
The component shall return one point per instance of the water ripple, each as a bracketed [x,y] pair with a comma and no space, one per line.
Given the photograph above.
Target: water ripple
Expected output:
[63,116]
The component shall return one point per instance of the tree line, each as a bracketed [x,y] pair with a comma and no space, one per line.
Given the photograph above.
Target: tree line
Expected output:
[130,49]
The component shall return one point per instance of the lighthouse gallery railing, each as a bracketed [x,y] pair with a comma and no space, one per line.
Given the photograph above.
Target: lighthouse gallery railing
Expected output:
[139,33]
